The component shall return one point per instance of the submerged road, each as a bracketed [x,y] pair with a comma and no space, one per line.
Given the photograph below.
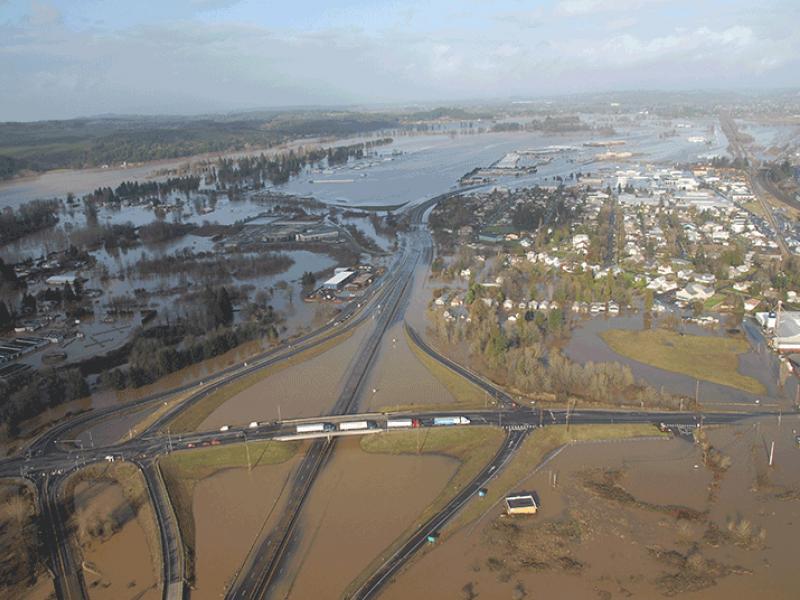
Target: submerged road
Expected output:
[47,464]
[266,561]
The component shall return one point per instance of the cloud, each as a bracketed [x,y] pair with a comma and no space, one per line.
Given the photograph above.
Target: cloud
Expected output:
[212,4]
[573,8]
[198,66]
[44,14]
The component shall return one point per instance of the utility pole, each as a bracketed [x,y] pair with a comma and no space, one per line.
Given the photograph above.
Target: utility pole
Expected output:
[697,392]
[771,453]
[247,451]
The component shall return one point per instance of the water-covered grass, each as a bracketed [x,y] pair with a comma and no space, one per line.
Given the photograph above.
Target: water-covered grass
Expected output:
[714,359]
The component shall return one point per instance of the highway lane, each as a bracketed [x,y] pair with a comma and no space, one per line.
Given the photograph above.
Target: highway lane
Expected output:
[169,533]
[67,576]
[266,559]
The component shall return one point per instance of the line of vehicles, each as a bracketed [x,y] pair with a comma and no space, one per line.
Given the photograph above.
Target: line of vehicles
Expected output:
[390,424]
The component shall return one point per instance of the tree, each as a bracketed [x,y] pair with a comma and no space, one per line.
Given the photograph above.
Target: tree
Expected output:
[5,316]
[308,280]
[648,300]
[225,306]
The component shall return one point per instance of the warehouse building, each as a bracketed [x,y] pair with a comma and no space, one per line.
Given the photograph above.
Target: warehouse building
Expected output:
[338,280]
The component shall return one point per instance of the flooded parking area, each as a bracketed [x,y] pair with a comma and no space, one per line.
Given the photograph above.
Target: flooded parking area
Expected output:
[360,504]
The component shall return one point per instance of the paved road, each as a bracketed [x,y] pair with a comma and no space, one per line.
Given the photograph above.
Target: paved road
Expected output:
[269,554]
[45,460]
[172,558]
[68,576]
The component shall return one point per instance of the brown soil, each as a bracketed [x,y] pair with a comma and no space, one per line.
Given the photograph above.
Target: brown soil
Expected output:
[22,571]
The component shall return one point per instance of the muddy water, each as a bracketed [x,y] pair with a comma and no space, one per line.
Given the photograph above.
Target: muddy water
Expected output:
[303,390]
[615,537]
[399,378]
[224,535]
[358,507]
[121,566]
[586,345]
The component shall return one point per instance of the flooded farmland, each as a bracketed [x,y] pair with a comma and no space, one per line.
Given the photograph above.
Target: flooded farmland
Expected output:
[367,500]
[638,519]
[399,379]
[118,558]
[759,362]
[224,537]
[302,390]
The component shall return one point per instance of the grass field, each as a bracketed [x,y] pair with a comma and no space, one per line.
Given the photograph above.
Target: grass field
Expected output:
[534,449]
[190,419]
[713,359]
[467,394]
[183,470]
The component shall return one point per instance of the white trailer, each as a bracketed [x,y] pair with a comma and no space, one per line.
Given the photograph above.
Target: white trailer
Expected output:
[451,420]
[394,423]
[353,425]
[314,428]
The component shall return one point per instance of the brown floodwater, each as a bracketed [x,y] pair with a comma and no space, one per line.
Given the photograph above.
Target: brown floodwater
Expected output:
[399,378]
[121,566]
[230,508]
[360,504]
[758,362]
[306,389]
[615,537]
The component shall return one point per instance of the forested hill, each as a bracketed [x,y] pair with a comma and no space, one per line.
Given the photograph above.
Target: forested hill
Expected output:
[77,143]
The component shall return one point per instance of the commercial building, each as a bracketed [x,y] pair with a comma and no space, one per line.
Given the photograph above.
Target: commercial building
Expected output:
[521,504]
[338,280]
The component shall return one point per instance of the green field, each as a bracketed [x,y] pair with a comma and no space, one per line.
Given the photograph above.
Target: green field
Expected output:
[714,359]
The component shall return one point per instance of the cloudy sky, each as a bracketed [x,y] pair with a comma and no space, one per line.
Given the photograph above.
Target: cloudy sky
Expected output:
[66,58]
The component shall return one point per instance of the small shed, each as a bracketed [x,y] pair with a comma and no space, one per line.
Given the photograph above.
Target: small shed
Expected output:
[521,504]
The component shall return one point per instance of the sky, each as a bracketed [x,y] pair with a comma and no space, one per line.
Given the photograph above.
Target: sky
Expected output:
[68,58]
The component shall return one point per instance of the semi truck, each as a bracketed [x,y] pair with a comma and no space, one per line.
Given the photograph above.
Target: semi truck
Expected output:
[459,420]
[399,423]
[356,425]
[315,427]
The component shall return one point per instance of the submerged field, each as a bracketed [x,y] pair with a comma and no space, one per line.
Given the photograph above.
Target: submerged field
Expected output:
[714,359]
[641,519]
[213,538]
